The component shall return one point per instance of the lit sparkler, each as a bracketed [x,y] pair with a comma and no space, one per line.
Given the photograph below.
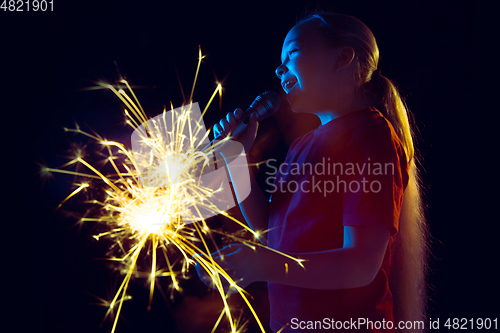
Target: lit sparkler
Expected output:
[145,209]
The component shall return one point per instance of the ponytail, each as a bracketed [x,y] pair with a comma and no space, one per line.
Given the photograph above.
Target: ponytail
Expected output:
[408,274]
[387,100]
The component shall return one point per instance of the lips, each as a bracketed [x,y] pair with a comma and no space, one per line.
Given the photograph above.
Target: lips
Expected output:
[288,84]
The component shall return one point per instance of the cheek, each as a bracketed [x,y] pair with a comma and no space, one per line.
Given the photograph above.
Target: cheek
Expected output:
[315,87]
[314,73]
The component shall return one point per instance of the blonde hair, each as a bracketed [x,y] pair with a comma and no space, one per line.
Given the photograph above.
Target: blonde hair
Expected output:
[408,272]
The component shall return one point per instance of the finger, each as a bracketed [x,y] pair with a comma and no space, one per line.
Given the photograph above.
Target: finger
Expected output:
[218,130]
[231,119]
[238,113]
[224,126]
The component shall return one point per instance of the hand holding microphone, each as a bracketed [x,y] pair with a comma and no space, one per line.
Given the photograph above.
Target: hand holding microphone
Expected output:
[242,126]
[227,125]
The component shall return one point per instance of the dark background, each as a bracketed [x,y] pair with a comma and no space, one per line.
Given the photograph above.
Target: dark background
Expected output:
[48,59]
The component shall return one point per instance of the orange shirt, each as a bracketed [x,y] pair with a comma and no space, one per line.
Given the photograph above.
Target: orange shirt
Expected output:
[349,171]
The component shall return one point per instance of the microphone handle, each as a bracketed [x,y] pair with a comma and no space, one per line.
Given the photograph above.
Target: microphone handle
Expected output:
[238,129]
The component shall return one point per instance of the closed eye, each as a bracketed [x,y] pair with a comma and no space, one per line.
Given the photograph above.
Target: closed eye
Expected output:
[292,51]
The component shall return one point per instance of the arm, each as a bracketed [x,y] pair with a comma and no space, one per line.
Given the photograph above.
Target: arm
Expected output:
[255,207]
[354,265]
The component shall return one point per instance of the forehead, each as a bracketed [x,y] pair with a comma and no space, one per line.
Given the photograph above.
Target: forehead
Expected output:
[305,34]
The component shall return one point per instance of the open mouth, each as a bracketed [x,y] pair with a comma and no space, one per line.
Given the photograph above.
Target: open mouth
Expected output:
[288,85]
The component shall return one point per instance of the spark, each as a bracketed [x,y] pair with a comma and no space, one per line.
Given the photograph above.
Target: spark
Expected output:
[148,221]
[81,187]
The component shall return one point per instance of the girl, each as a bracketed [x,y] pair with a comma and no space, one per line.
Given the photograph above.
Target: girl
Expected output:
[358,223]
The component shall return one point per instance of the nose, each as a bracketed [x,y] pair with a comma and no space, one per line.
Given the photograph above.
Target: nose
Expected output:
[281,70]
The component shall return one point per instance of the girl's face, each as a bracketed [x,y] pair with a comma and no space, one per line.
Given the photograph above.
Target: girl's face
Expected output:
[307,70]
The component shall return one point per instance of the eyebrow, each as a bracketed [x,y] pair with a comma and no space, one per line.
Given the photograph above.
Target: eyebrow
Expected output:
[288,43]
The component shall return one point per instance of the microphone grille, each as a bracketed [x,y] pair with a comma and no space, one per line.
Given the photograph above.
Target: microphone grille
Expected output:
[271,101]
[266,104]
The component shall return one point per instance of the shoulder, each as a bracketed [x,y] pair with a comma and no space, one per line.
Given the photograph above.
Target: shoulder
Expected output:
[370,125]
[371,135]
[373,129]
[361,123]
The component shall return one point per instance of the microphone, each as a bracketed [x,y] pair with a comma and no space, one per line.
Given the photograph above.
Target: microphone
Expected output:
[264,106]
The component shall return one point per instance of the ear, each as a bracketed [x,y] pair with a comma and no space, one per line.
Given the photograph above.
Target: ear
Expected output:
[345,58]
